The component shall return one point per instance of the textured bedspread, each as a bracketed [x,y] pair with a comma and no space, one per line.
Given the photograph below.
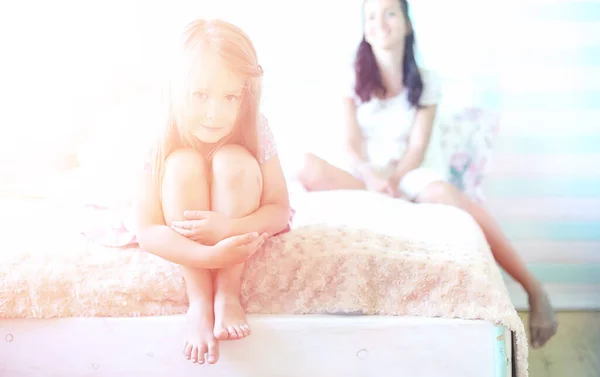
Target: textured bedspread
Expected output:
[348,252]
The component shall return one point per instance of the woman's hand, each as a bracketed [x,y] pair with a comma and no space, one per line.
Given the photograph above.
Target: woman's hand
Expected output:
[380,185]
[393,181]
[237,249]
[204,227]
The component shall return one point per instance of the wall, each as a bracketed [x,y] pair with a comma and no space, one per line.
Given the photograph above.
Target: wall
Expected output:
[544,186]
[539,63]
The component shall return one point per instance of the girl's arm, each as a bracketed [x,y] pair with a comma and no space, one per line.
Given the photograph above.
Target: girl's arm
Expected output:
[273,215]
[418,142]
[155,237]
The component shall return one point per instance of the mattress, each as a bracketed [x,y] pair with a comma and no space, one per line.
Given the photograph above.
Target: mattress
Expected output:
[281,345]
[348,252]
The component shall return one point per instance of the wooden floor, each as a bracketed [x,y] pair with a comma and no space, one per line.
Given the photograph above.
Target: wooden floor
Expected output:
[573,352]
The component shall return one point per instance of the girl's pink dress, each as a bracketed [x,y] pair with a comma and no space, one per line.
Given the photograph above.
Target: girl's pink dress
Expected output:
[107,225]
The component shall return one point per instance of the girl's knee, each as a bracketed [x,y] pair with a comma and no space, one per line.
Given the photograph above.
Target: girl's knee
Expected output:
[185,180]
[440,192]
[185,164]
[234,163]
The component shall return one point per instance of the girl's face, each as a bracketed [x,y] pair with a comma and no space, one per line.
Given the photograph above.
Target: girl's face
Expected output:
[211,109]
[385,25]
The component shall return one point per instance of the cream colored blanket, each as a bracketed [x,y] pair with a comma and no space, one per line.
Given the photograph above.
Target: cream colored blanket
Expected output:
[348,252]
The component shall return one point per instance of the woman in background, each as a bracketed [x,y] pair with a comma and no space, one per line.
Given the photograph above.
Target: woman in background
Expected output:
[390,107]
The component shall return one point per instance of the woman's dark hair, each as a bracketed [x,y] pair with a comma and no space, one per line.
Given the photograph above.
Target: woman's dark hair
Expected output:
[368,78]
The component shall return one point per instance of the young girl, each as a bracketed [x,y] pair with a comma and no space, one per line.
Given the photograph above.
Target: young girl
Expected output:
[390,110]
[215,190]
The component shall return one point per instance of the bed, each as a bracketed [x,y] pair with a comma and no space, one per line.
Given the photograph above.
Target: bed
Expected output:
[343,293]
[280,346]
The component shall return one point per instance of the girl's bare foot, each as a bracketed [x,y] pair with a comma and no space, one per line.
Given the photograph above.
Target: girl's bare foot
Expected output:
[230,318]
[542,321]
[200,343]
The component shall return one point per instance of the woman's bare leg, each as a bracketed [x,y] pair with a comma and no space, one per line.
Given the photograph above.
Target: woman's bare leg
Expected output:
[319,175]
[185,187]
[542,322]
[236,192]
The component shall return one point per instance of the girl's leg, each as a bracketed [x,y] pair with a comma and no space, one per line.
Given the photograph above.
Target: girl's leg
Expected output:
[542,323]
[236,192]
[319,175]
[185,187]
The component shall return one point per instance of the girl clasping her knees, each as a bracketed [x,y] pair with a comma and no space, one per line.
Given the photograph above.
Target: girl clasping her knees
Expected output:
[214,189]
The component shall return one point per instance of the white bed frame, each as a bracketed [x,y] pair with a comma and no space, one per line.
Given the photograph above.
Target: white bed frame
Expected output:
[280,346]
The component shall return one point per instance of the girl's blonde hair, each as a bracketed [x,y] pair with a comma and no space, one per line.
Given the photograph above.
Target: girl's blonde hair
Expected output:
[239,55]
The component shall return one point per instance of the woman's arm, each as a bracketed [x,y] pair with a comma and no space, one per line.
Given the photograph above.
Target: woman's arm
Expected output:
[417,144]
[273,215]
[354,139]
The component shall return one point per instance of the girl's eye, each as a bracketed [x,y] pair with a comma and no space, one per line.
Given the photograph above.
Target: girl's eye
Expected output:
[391,13]
[200,95]
[231,97]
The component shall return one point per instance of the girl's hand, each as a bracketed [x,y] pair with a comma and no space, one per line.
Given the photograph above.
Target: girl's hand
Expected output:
[204,227]
[238,249]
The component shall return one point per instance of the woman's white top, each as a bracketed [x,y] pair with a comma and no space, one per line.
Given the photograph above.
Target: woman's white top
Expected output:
[386,125]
